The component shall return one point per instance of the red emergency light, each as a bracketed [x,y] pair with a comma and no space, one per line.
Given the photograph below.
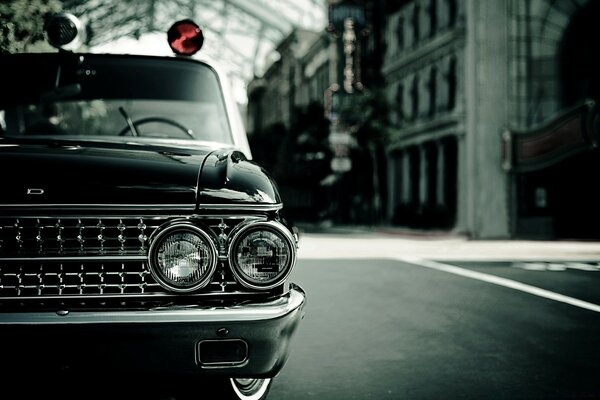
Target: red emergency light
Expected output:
[185,37]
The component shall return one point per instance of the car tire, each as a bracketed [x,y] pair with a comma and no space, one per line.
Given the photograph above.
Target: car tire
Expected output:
[246,389]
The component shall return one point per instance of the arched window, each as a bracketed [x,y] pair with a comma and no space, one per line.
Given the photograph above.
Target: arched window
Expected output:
[579,58]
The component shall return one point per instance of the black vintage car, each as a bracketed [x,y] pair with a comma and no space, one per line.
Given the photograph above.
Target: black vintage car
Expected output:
[137,237]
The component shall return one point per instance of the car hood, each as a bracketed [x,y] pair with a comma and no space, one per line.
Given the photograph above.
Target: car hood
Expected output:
[90,174]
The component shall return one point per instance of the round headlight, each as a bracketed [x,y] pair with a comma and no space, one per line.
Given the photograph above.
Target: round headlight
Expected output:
[262,255]
[182,257]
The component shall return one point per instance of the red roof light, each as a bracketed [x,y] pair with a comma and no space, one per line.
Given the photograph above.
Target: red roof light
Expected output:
[185,37]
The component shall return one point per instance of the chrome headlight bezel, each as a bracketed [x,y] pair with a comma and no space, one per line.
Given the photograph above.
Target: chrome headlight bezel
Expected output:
[158,238]
[271,226]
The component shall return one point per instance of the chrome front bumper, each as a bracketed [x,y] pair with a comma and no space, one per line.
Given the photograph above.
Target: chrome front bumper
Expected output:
[164,341]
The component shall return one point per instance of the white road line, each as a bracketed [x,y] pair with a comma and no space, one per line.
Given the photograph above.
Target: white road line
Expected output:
[496,280]
[582,266]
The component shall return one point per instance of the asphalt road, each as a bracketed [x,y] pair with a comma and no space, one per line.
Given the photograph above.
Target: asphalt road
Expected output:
[388,329]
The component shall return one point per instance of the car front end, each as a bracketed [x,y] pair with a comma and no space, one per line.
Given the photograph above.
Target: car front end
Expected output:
[137,237]
[196,288]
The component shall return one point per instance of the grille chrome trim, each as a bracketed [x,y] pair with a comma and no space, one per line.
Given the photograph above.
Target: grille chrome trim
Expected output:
[275,308]
[59,278]
[97,279]
[76,258]
[242,207]
[30,278]
[27,236]
[100,207]
[149,297]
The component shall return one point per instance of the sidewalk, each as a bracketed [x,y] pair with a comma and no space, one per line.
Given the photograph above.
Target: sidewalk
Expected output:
[382,242]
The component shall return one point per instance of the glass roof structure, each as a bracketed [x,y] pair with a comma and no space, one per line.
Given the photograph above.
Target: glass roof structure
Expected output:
[240,35]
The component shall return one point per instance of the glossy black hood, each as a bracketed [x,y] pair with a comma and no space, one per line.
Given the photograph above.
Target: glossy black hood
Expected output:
[86,173]
[89,174]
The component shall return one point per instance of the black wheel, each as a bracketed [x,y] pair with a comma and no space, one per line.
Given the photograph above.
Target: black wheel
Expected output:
[246,389]
[163,120]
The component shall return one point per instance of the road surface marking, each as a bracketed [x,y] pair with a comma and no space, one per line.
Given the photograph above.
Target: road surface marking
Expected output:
[553,266]
[509,283]
[582,266]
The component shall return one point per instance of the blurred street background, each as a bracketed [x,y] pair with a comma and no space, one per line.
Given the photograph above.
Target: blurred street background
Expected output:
[469,117]
[438,158]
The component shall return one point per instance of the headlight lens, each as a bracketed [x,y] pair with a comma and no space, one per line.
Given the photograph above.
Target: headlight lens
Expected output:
[182,258]
[262,255]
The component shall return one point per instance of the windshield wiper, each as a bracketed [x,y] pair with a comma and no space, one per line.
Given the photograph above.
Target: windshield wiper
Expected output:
[130,124]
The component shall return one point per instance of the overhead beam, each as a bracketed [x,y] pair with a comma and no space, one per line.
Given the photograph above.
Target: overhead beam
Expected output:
[265,14]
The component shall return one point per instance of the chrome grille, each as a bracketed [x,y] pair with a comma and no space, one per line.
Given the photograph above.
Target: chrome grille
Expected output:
[81,277]
[81,236]
[71,257]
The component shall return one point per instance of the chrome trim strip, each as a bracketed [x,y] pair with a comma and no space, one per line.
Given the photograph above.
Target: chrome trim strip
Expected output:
[244,207]
[248,207]
[67,258]
[276,308]
[126,297]
[105,206]
[169,216]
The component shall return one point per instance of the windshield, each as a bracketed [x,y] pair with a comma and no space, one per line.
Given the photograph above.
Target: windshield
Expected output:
[112,96]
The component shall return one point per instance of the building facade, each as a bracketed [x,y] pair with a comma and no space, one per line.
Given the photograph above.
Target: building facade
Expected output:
[492,111]
[467,76]
[423,70]
[287,127]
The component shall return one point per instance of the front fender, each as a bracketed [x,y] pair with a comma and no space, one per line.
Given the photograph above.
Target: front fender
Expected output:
[228,177]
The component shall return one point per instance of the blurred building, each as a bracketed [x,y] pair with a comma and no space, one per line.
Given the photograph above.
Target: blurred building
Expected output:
[424,72]
[492,121]
[287,126]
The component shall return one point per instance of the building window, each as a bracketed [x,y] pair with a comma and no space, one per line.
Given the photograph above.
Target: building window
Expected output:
[413,176]
[314,90]
[414,94]
[447,216]
[451,84]
[432,88]
[322,80]
[400,33]
[430,153]
[415,24]
[433,17]
[452,12]
[400,104]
